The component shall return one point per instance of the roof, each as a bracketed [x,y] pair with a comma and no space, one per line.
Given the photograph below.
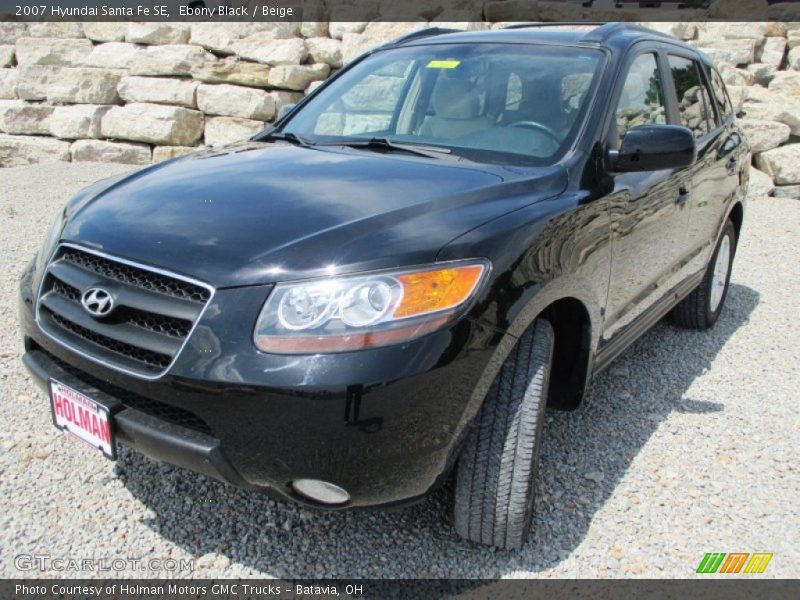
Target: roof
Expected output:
[607,35]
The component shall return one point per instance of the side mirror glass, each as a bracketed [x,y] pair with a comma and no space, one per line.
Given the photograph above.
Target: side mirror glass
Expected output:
[284,110]
[654,148]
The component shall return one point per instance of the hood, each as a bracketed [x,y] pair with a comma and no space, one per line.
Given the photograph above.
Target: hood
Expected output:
[265,212]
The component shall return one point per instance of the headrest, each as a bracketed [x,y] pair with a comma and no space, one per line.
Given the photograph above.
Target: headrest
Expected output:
[455,99]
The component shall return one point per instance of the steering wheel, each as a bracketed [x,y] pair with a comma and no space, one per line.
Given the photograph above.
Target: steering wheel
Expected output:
[538,127]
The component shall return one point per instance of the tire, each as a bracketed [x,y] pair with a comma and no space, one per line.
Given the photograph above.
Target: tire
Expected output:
[701,308]
[497,469]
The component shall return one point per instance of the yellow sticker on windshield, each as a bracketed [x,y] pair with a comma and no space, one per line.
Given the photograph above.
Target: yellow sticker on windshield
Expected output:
[443,64]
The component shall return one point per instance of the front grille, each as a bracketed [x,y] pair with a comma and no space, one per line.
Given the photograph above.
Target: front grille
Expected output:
[152,317]
[173,414]
[136,276]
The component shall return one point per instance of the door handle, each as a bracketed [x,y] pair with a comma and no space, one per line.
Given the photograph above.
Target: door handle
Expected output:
[731,165]
[683,195]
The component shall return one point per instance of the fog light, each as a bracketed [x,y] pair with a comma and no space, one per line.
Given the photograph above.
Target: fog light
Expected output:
[321,491]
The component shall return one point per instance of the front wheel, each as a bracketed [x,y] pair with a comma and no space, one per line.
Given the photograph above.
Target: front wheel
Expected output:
[497,469]
[701,308]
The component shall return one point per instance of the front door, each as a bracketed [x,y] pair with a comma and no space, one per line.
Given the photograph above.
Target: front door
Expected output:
[648,209]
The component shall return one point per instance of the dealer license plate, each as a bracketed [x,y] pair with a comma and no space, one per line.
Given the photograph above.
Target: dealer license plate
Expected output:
[84,418]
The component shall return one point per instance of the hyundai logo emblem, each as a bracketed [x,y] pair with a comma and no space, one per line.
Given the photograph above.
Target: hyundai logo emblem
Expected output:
[97,301]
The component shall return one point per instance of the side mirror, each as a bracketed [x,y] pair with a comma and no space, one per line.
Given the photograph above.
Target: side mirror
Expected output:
[284,110]
[653,148]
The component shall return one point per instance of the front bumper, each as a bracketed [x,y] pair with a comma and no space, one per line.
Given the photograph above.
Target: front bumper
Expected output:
[385,424]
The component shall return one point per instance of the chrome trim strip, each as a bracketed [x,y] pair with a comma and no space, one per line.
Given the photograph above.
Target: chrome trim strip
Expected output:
[130,264]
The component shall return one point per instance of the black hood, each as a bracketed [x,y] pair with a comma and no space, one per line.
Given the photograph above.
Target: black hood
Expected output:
[259,213]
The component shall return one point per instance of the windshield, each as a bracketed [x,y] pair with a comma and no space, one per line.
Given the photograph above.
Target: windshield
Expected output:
[503,103]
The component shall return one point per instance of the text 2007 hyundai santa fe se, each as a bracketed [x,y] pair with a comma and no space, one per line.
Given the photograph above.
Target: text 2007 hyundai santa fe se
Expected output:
[391,283]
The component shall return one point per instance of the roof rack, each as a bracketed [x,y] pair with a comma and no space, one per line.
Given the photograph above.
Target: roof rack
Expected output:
[602,31]
[422,33]
[601,34]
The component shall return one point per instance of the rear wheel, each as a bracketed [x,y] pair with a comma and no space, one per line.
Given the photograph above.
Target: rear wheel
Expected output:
[701,308]
[497,469]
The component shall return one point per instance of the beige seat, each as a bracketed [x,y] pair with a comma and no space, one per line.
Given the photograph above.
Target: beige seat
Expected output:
[457,105]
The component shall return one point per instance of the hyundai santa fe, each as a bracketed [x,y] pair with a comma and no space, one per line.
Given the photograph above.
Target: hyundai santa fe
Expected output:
[389,285]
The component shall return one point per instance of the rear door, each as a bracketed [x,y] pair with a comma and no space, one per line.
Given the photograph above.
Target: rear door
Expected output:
[647,210]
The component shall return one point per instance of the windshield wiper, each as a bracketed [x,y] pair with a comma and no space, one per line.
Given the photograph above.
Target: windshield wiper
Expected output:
[380,143]
[283,136]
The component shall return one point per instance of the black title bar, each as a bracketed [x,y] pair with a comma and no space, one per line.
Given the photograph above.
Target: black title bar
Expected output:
[391,10]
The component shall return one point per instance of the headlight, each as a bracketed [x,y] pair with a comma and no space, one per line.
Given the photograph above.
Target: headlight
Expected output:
[365,311]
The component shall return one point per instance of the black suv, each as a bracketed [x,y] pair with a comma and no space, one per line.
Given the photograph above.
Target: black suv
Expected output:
[391,283]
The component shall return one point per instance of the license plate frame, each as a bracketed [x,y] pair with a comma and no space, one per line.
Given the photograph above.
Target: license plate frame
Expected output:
[83,418]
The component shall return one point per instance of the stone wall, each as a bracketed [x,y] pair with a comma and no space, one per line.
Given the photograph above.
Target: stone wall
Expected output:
[143,92]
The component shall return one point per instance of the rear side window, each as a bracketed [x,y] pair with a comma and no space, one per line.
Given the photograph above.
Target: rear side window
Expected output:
[642,99]
[694,104]
[720,94]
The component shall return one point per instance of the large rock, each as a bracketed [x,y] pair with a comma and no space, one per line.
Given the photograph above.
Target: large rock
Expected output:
[153,123]
[76,122]
[772,52]
[114,152]
[737,94]
[158,90]
[261,44]
[389,31]
[793,59]
[325,50]
[762,73]
[311,29]
[760,185]
[297,77]
[84,86]
[102,31]
[354,45]
[784,109]
[782,164]
[35,80]
[716,30]
[219,37]
[157,33]
[787,191]
[759,94]
[162,153]
[25,119]
[235,72]
[793,38]
[283,98]
[6,56]
[17,150]
[11,31]
[733,52]
[114,55]
[786,82]
[176,59]
[312,86]
[8,83]
[764,135]
[55,30]
[235,101]
[734,76]
[337,29]
[226,130]
[52,51]
[277,52]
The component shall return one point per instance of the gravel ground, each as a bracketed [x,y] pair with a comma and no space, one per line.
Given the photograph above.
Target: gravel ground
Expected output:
[689,444]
